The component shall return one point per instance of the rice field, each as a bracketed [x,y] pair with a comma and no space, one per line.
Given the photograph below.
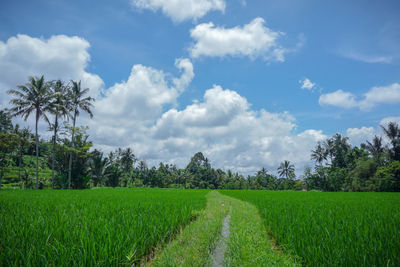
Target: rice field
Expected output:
[332,229]
[106,227]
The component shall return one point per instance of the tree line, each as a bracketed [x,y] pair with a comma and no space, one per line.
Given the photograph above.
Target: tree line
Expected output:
[72,162]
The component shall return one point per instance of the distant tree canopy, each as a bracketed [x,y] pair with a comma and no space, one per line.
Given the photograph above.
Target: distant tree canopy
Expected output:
[67,159]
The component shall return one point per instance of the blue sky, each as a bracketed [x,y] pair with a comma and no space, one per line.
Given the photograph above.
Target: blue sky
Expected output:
[352,46]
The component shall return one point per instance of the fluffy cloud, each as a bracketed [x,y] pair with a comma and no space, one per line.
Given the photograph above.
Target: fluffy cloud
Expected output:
[144,94]
[338,98]
[59,57]
[231,134]
[180,10]
[141,112]
[381,95]
[127,109]
[375,96]
[360,135]
[307,84]
[252,40]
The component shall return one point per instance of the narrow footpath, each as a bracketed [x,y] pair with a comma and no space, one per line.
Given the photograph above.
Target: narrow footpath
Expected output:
[228,232]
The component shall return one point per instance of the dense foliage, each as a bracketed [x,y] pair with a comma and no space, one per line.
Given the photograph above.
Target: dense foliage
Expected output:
[101,227]
[332,229]
[374,166]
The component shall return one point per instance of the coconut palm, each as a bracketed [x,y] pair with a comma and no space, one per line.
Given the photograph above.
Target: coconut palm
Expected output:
[98,167]
[393,133]
[286,169]
[319,154]
[61,107]
[375,148]
[78,102]
[33,97]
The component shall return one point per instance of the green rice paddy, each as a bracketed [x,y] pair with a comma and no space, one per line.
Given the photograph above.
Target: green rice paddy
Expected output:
[332,229]
[106,227]
[114,227]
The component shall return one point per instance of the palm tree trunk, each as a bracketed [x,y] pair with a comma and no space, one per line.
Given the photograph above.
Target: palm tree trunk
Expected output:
[54,151]
[70,154]
[37,150]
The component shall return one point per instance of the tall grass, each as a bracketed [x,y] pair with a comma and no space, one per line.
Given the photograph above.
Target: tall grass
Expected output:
[90,227]
[332,229]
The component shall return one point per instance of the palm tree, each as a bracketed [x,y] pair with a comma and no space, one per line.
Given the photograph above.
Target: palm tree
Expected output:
[98,167]
[78,102]
[32,97]
[392,130]
[329,147]
[375,148]
[393,133]
[286,169]
[319,154]
[61,107]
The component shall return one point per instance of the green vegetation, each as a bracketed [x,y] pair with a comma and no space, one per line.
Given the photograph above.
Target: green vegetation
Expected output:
[335,229]
[90,227]
[248,243]
[374,166]
[194,246]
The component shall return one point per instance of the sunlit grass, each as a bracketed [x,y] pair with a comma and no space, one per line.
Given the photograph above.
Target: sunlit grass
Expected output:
[334,229]
[90,227]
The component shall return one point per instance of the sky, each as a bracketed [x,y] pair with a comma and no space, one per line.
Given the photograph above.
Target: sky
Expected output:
[248,83]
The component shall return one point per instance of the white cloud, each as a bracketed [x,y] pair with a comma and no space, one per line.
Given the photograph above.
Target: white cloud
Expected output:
[378,95]
[180,10]
[360,135]
[385,121]
[367,58]
[141,112]
[381,95]
[252,40]
[128,109]
[307,84]
[338,98]
[144,94]
[59,57]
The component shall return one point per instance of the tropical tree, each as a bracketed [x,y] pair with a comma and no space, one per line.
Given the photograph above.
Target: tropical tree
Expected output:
[392,132]
[98,167]
[79,101]
[7,144]
[5,122]
[375,148]
[61,107]
[33,97]
[23,140]
[319,154]
[286,169]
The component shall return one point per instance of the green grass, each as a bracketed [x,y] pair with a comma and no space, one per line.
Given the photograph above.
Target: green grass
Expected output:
[194,246]
[90,227]
[332,229]
[247,245]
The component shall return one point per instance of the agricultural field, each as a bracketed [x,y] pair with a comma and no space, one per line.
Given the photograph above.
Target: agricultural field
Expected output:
[185,227]
[106,227]
[331,229]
